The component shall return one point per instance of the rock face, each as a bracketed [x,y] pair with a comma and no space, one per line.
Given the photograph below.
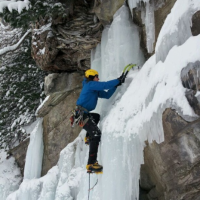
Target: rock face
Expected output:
[62,82]
[172,168]
[160,14]
[63,90]
[195,24]
[191,81]
[105,9]
[65,44]
[19,154]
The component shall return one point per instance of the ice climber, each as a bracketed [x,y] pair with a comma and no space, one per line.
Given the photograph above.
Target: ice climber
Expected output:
[87,101]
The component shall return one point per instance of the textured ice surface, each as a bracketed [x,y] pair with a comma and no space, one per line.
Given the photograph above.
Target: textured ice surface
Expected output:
[132,116]
[176,29]
[62,181]
[34,154]
[120,45]
[10,175]
[135,117]
[148,20]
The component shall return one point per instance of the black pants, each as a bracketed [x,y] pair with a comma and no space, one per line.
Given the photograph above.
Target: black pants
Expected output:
[94,134]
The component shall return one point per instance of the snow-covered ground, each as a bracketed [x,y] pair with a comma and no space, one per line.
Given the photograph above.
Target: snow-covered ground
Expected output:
[10,175]
[132,116]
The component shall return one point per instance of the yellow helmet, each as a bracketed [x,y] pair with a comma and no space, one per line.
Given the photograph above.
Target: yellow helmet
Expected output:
[91,72]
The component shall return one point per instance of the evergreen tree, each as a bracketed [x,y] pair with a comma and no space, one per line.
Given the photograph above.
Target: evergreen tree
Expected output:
[38,11]
[21,84]
[20,79]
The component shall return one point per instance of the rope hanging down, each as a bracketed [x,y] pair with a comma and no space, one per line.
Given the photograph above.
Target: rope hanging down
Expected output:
[92,187]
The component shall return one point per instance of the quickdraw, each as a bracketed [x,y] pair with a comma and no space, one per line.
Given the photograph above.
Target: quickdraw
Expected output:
[77,117]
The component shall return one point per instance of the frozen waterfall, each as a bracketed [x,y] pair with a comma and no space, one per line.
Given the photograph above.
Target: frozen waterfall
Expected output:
[132,116]
[34,154]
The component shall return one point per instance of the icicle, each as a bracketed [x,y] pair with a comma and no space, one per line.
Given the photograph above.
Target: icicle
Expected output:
[150,26]
[34,154]
[148,20]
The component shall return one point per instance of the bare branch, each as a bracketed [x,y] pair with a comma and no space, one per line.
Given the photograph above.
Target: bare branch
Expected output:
[15,46]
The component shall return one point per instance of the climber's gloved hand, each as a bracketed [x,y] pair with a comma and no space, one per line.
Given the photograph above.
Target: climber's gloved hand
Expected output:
[121,80]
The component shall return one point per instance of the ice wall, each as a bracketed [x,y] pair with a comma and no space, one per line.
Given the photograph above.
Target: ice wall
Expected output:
[62,182]
[147,19]
[120,45]
[34,154]
[131,116]
[136,117]
[176,29]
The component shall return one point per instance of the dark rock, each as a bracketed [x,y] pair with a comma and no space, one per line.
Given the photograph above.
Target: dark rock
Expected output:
[190,76]
[19,153]
[145,181]
[105,9]
[63,90]
[190,80]
[138,21]
[65,44]
[57,131]
[58,82]
[160,14]
[193,101]
[174,165]
[143,194]
[196,24]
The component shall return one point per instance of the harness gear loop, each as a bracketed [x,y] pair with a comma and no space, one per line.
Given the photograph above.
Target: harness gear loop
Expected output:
[77,116]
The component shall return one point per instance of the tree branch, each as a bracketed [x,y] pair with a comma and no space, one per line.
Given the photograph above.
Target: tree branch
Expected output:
[15,46]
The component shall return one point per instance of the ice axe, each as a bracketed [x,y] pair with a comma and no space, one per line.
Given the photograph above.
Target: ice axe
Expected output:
[126,71]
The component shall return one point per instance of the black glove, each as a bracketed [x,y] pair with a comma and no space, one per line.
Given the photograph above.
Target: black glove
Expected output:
[121,80]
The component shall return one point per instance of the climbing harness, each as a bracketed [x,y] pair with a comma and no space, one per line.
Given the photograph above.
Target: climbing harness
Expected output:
[77,116]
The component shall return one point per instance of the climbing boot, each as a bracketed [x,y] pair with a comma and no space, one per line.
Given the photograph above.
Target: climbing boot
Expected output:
[94,168]
[86,140]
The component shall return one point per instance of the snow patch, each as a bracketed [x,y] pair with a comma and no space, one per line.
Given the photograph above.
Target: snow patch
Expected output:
[11,5]
[10,177]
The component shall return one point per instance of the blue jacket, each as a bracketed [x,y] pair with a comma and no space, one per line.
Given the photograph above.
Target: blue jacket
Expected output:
[93,90]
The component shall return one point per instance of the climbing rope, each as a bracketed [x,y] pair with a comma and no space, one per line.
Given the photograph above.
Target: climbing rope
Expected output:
[92,187]
[89,188]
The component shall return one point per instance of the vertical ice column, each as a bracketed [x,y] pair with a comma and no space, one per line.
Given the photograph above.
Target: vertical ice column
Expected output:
[150,26]
[132,4]
[34,154]
[120,45]
[148,20]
